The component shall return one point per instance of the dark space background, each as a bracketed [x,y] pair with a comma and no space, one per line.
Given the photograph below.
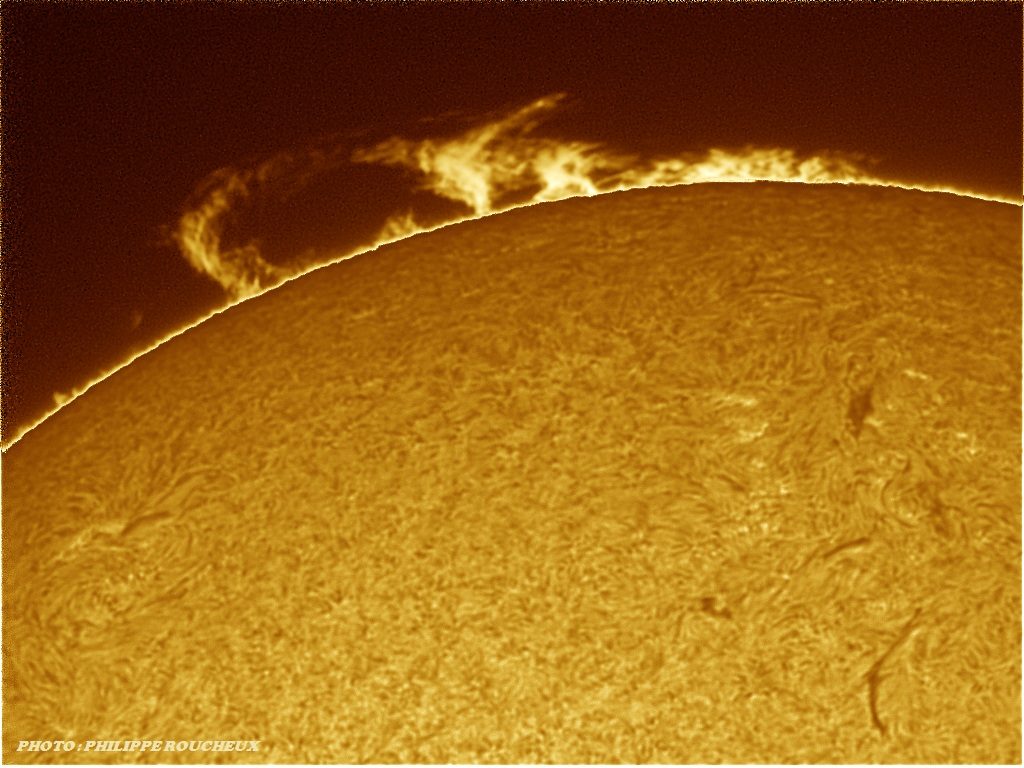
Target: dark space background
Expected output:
[112,114]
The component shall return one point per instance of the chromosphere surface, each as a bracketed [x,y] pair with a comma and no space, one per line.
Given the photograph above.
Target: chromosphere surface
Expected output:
[723,473]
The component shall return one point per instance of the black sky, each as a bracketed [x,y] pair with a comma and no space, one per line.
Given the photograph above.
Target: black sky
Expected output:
[113,113]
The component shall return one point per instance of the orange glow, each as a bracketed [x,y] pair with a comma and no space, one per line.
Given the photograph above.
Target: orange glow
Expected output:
[490,168]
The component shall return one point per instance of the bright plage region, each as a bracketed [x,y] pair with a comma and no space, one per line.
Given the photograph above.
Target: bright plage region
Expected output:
[698,474]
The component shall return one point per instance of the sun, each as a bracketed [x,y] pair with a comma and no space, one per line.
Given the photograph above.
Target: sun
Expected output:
[696,474]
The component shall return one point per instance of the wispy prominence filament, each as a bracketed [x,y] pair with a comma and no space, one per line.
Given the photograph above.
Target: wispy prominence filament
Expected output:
[494,165]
